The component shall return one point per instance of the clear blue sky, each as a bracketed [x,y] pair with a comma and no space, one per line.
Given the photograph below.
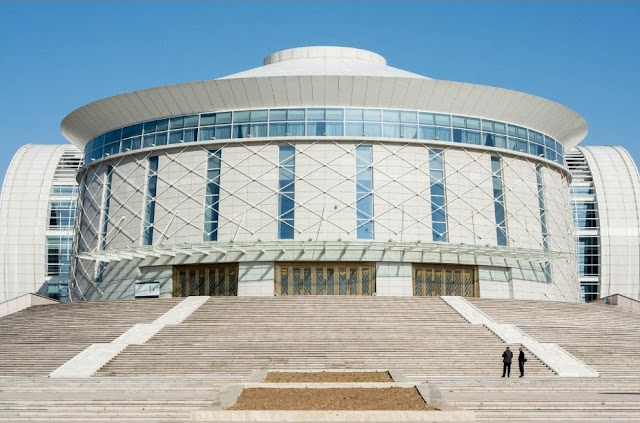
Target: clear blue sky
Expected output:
[58,56]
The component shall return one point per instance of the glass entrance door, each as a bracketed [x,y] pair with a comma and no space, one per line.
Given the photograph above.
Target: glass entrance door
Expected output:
[325,278]
[435,280]
[205,279]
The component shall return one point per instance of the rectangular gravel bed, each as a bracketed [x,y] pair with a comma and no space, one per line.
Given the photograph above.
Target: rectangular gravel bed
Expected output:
[331,399]
[327,377]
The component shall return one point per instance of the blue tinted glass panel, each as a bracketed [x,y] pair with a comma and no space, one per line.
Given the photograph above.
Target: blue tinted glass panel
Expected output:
[498,201]
[286,192]
[373,129]
[437,191]
[391,115]
[315,114]
[222,118]
[208,119]
[353,115]
[372,115]
[426,119]
[150,201]
[364,194]
[212,195]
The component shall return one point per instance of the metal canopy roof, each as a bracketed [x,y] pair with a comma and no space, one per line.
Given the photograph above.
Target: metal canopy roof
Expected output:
[325,251]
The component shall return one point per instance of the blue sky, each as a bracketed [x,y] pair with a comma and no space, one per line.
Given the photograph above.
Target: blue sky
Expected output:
[58,56]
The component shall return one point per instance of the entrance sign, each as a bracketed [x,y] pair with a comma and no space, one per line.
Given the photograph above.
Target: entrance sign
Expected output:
[147,290]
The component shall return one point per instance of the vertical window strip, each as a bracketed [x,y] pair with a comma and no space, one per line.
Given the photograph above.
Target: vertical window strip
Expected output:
[212,195]
[498,201]
[364,192]
[105,220]
[438,200]
[543,221]
[286,192]
[150,201]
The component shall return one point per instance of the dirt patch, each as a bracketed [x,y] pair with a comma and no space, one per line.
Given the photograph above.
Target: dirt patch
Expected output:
[327,377]
[331,399]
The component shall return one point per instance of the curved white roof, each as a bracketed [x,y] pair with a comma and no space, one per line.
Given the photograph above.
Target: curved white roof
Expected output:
[324,61]
[325,77]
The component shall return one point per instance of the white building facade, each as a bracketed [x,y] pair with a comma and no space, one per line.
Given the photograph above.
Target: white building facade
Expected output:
[37,215]
[605,196]
[325,172]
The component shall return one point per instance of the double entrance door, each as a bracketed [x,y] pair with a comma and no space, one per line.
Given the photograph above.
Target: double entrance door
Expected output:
[322,278]
[205,279]
[435,280]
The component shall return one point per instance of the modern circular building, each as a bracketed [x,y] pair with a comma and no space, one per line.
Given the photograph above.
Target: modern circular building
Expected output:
[324,172]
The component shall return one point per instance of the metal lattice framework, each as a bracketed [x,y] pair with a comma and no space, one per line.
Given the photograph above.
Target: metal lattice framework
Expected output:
[398,165]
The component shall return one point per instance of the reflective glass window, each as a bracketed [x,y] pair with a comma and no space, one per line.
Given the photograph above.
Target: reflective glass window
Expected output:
[408,116]
[427,132]
[286,192]
[242,117]
[208,119]
[499,128]
[391,115]
[364,193]
[176,122]
[315,114]
[334,114]
[487,125]
[353,114]
[373,129]
[259,115]
[212,195]
[473,123]
[371,115]
[222,118]
[443,120]
[458,122]
[131,131]
[426,118]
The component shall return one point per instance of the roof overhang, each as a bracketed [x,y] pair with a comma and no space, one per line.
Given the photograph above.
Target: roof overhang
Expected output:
[518,108]
[270,251]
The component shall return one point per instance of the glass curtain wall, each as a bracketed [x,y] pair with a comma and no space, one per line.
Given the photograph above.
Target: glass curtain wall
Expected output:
[286,192]
[212,195]
[498,201]
[364,192]
[438,199]
[150,201]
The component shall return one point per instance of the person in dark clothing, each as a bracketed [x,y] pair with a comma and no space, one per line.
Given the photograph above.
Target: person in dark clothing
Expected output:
[521,361]
[507,355]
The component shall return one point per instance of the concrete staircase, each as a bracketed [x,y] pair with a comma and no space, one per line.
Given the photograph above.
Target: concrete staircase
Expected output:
[545,399]
[606,338]
[114,400]
[37,340]
[230,337]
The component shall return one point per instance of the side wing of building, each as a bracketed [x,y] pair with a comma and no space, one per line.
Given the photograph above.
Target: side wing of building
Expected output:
[37,209]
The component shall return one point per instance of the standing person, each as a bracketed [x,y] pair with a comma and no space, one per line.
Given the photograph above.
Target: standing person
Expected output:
[521,361]
[507,355]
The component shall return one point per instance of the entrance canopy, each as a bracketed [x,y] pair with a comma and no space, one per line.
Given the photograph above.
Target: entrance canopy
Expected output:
[404,252]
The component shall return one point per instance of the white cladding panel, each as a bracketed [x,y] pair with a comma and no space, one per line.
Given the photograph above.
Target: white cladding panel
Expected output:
[617,186]
[521,203]
[402,207]
[470,203]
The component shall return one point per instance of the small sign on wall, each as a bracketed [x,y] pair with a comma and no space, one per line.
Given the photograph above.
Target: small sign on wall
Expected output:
[147,290]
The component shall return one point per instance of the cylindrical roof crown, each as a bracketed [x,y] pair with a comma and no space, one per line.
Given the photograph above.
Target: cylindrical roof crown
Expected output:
[324,52]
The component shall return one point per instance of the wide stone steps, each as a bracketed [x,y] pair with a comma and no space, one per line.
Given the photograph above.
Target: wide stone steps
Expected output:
[234,336]
[40,339]
[604,337]
[107,399]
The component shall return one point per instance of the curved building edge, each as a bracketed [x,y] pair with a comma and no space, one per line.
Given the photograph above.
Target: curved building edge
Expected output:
[616,182]
[25,218]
